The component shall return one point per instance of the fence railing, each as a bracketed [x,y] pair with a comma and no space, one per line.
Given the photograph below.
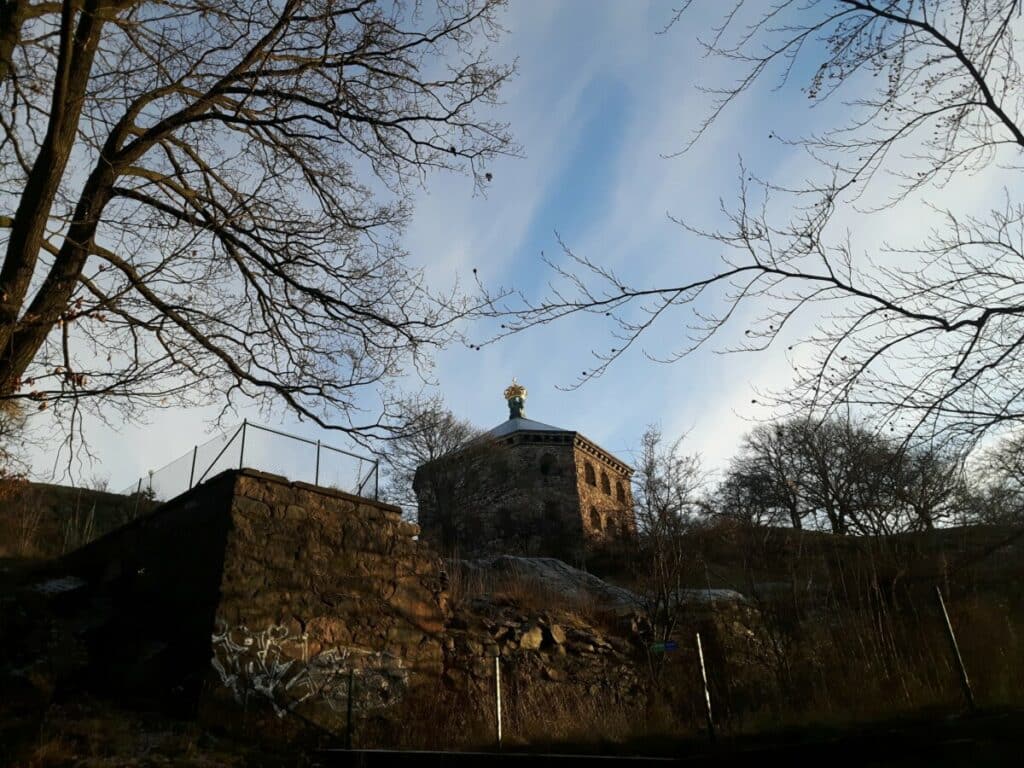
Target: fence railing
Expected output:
[255,446]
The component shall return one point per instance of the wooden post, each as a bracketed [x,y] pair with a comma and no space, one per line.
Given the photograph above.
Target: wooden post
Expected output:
[965,683]
[707,691]
[316,478]
[192,472]
[497,697]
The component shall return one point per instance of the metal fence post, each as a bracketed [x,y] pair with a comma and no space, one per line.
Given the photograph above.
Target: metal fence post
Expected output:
[497,697]
[138,496]
[316,479]
[348,704]
[965,682]
[192,472]
[241,452]
[707,691]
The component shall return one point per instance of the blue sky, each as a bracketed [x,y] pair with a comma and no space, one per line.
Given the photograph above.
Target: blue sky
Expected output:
[599,102]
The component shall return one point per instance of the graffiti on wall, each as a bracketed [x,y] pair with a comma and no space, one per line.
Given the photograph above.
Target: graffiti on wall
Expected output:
[274,665]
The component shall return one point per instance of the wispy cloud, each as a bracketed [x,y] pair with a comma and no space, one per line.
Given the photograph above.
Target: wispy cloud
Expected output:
[599,101]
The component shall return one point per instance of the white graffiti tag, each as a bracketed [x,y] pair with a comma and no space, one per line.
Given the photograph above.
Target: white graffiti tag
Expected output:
[277,667]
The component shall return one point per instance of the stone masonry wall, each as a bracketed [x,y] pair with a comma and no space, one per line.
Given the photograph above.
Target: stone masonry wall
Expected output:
[532,494]
[318,585]
[606,510]
[516,497]
[254,599]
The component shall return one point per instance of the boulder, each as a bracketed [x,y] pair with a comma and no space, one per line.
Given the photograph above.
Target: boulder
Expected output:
[556,634]
[531,639]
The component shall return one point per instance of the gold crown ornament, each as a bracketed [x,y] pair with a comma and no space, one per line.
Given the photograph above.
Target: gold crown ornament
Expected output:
[515,389]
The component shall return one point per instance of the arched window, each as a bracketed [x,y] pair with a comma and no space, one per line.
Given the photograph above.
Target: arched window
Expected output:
[595,519]
[606,486]
[620,492]
[547,463]
[588,472]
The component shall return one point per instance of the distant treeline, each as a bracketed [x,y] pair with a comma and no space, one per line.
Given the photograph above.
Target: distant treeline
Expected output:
[834,475]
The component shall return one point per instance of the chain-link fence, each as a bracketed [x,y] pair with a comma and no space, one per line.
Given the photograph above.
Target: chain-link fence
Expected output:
[269,450]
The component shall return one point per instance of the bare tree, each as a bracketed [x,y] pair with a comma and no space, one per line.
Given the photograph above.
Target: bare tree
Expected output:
[200,199]
[764,480]
[666,496]
[12,445]
[932,485]
[842,476]
[432,432]
[997,493]
[927,337]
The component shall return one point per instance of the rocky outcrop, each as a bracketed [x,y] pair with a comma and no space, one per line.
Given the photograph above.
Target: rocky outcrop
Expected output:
[556,576]
[542,647]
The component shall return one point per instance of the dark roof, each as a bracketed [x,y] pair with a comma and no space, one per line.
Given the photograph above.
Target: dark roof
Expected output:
[512,426]
[522,425]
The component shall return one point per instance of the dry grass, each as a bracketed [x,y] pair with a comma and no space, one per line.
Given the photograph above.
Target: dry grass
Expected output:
[851,631]
[843,631]
[79,528]
[536,714]
[46,521]
[94,734]
[525,592]
[26,542]
[547,715]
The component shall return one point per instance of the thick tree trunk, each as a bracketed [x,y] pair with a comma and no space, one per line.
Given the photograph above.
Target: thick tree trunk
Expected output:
[22,334]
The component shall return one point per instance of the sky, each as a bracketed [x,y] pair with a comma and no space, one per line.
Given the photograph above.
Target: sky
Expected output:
[599,103]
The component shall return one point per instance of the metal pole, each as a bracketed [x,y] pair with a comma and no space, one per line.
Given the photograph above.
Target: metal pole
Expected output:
[192,472]
[707,692]
[241,452]
[965,683]
[497,697]
[316,479]
[348,729]
[138,495]
[376,482]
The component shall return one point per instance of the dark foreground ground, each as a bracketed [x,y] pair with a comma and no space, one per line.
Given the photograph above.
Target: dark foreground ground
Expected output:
[97,737]
[988,739]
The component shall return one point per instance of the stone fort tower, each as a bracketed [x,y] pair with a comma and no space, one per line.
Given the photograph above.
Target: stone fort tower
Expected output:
[528,488]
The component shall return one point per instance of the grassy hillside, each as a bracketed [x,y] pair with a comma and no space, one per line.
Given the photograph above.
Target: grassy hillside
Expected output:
[40,520]
[849,629]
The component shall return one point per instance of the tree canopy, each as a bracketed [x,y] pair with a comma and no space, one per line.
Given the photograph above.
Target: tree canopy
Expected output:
[926,336]
[200,200]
